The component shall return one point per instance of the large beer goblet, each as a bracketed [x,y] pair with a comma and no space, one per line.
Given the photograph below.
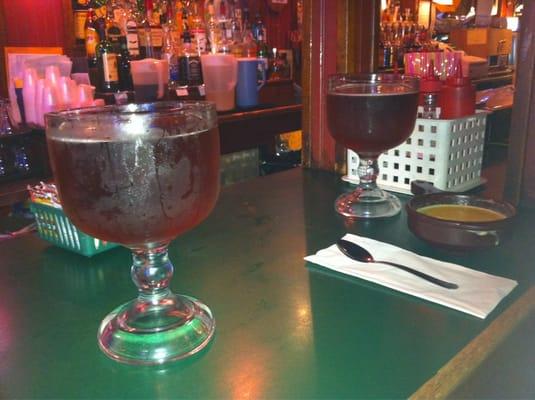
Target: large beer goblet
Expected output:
[140,175]
[369,114]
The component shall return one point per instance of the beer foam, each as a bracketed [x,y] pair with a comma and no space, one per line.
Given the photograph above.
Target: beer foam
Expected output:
[119,137]
[127,127]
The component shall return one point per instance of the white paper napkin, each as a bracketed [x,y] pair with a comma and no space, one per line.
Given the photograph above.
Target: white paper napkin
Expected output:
[478,292]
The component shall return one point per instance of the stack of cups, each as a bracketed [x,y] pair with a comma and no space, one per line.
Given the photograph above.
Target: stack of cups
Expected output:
[52,93]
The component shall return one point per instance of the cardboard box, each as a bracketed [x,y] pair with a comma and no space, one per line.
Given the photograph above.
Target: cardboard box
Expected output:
[475,67]
[500,41]
[482,42]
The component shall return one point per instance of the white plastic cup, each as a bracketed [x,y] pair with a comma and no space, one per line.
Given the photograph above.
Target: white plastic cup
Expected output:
[220,74]
[29,92]
[150,77]
[85,94]
[67,93]
[50,101]
[52,74]
[38,101]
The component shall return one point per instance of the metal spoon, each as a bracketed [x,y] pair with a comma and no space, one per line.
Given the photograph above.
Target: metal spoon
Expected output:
[355,252]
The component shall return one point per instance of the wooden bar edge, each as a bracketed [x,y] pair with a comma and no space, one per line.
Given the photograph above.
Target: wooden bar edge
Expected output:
[462,365]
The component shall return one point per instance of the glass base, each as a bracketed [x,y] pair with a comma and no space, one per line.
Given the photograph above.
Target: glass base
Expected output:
[156,329]
[362,203]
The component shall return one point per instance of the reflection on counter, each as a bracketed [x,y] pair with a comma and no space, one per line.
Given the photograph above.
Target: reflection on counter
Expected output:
[84,279]
[239,166]
[284,153]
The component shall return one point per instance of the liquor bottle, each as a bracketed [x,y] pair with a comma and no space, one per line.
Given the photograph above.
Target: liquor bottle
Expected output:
[263,55]
[99,8]
[113,29]
[261,41]
[250,48]
[206,8]
[246,24]
[258,29]
[394,10]
[276,67]
[91,38]
[214,30]
[80,8]
[108,75]
[116,34]
[385,16]
[184,25]
[388,49]
[100,4]
[225,22]
[225,26]
[237,21]
[123,65]
[132,39]
[260,34]
[168,49]
[237,34]
[176,24]
[189,62]
[120,13]
[150,33]
[146,47]
[198,31]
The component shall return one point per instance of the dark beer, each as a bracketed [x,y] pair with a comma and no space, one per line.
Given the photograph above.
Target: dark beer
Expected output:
[371,119]
[138,190]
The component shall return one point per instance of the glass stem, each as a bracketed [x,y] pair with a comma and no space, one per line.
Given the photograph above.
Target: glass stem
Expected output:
[367,171]
[152,271]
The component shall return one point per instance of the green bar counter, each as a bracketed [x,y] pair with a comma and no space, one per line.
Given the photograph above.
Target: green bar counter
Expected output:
[286,329]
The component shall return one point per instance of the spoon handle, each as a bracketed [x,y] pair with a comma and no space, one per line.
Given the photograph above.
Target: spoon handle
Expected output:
[436,281]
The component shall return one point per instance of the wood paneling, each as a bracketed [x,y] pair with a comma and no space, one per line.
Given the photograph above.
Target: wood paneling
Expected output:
[520,182]
[34,23]
[3,38]
[319,60]
[339,36]
[68,27]
[359,30]
[412,4]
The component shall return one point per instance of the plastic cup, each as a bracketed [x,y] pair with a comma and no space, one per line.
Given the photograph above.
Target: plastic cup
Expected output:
[220,74]
[150,78]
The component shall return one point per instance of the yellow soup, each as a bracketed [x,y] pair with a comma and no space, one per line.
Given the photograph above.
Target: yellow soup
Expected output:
[463,213]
